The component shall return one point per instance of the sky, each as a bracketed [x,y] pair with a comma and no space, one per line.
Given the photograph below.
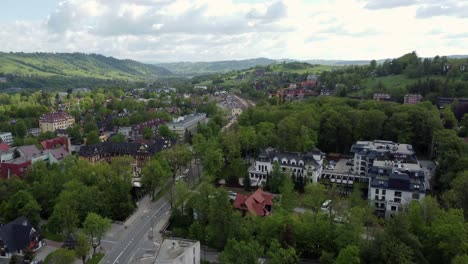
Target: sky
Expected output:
[210,30]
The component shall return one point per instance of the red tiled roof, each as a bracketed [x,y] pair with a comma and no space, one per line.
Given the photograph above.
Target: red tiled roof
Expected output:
[51,143]
[4,146]
[254,203]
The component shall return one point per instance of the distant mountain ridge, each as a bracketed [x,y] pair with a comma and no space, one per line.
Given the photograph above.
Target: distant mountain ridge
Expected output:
[78,65]
[196,68]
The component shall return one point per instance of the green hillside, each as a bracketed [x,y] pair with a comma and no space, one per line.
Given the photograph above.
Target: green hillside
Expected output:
[198,68]
[77,65]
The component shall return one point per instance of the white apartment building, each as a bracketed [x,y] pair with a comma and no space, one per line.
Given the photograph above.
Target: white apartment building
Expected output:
[308,165]
[186,126]
[6,137]
[395,175]
[178,251]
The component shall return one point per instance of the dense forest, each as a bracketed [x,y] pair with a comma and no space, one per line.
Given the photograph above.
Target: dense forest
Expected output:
[77,65]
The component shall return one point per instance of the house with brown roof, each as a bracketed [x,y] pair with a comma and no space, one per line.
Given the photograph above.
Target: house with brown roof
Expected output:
[259,203]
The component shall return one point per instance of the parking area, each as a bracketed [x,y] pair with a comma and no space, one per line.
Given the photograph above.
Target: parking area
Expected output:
[340,166]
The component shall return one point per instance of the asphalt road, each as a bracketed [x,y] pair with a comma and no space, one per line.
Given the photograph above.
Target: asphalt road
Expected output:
[124,251]
[133,240]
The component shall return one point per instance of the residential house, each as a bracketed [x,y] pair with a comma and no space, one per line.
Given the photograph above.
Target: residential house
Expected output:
[56,120]
[443,101]
[199,87]
[395,175]
[6,137]
[178,251]
[412,98]
[259,203]
[308,165]
[34,131]
[185,126]
[17,236]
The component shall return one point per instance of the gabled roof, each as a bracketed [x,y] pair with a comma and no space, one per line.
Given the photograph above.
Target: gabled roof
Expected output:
[255,203]
[29,151]
[17,234]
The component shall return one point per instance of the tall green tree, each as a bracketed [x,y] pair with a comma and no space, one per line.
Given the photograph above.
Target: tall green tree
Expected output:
[82,248]
[279,255]
[95,227]
[155,174]
[348,255]
[241,252]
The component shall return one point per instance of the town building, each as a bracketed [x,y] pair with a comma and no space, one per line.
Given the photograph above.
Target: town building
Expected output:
[382,97]
[199,87]
[140,152]
[186,126]
[395,175]
[35,131]
[236,111]
[6,137]
[412,98]
[17,161]
[308,165]
[17,236]
[56,120]
[178,251]
[443,101]
[259,203]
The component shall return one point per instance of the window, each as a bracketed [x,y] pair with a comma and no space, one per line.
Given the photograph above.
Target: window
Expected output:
[393,208]
[376,191]
[383,192]
[397,194]
[376,197]
[415,196]
[397,200]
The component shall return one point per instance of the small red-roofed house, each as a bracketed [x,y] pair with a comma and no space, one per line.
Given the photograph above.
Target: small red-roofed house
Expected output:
[259,203]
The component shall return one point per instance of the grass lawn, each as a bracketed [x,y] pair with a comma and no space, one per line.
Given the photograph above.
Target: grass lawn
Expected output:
[52,236]
[96,258]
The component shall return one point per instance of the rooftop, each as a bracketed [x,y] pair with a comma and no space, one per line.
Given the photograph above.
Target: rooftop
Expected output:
[173,248]
[16,234]
[187,118]
[55,117]
[382,146]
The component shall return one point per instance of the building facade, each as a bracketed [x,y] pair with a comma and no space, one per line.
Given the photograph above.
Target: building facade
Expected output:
[185,126]
[412,98]
[308,165]
[56,120]
[6,137]
[395,175]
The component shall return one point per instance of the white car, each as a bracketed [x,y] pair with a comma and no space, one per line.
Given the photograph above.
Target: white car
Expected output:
[330,167]
[232,195]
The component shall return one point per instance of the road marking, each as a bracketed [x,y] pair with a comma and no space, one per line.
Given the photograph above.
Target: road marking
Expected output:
[155,213]
[108,241]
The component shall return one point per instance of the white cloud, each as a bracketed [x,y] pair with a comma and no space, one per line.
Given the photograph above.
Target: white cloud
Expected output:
[167,30]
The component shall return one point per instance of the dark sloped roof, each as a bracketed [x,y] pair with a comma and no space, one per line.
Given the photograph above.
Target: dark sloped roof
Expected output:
[127,148]
[17,234]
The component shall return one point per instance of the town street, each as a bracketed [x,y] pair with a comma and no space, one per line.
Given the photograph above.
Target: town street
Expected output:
[137,240]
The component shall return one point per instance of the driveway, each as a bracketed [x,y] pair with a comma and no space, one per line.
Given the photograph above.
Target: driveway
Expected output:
[50,246]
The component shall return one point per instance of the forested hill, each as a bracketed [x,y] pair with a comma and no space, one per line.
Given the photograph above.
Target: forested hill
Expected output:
[197,68]
[77,65]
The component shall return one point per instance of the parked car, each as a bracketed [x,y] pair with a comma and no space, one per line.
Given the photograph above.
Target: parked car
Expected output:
[330,167]
[232,195]
[350,162]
